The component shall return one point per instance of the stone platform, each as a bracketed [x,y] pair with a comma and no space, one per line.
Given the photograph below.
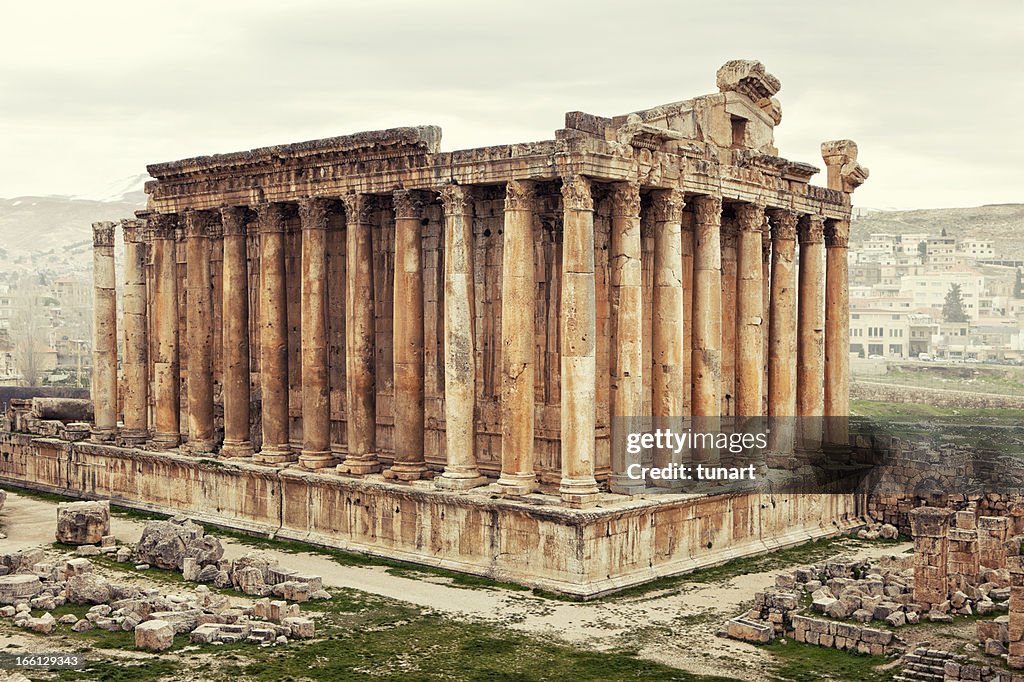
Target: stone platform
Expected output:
[533,541]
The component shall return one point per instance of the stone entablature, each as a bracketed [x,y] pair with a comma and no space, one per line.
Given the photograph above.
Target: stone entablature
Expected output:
[379,294]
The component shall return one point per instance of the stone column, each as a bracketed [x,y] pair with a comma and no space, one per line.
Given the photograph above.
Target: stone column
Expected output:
[409,464]
[104,333]
[728,234]
[166,369]
[316,399]
[578,331]
[199,327]
[749,311]
[235,334]
[766,286]
[707,307]
[667,341]
[837,331]
[810,390]
[360,370]
[136,335]
[962,564]
[687,248]
[627,366]
[517,339]
[928,526]
[460,471]
[276,449]
[782,331]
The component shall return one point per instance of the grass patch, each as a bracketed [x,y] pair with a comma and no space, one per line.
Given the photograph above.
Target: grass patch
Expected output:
[795,662]
[883,410]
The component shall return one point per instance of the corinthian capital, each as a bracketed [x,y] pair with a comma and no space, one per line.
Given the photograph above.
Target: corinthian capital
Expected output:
[271,217]
[233,219]
[164,225]
[750,217]
[837,234]
[313,213]
[811,229]
[576,194]
[134,230]
[455,198]
[626,199]
[408,203]
[359,208]
[783,224]
[667,205]
[708,209]
[199,223]
[103,233]
[519,195]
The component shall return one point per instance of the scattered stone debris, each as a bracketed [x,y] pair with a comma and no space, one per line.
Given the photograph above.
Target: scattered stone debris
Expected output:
[82,523]
[30,584]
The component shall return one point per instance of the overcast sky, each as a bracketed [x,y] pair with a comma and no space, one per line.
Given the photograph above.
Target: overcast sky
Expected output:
[90,92]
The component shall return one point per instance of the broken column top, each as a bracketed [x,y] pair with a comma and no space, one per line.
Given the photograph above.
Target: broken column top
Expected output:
[103,233]
[929,521]
[747,77]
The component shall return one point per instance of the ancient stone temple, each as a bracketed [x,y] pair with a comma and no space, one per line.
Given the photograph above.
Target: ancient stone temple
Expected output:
[372,343]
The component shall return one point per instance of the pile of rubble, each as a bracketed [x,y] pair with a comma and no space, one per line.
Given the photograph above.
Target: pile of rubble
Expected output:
[29,583]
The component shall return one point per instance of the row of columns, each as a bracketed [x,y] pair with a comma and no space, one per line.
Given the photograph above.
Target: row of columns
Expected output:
[808,327]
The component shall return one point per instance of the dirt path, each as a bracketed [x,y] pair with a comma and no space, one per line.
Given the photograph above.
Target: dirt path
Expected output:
[676,626]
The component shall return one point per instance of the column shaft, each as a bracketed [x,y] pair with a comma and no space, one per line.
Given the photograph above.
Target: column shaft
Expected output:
[199,318]
[517,339]
[460,472]
[316,402]
[837,329]
[136,335]
[782,317]
[235,336]
[360,370]
[707,307]
[273,338]
[749,311]
[409,464]
[810,394]
[687,241]
[166,369]
[578,336]
[667,340]
[728,345]
[104,336]
[627,366]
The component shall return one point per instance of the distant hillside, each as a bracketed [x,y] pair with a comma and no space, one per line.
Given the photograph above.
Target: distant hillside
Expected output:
[54,234]
[1002,223]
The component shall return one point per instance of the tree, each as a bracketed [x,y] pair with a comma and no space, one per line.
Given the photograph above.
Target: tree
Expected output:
[28,332]
[1018,285]
[953,308]
[922,251]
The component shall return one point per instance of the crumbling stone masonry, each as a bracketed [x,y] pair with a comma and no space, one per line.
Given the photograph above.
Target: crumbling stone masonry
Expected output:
[929,526]
[962,562]
[992,536]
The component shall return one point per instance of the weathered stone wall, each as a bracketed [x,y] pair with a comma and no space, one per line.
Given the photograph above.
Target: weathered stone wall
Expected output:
[896,393]
[845,636]
[577,552]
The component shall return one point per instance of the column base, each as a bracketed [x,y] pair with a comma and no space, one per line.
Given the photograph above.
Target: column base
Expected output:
[133,438]
[165,441]
[200,447]
[103,434]
[274,457]
[579,492]
[234,450]
[317,459]
[459,480]
[517,485]
[624,485]
[407,471]
[359,466]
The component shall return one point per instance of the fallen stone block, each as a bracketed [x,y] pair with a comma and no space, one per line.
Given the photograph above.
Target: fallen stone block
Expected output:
[154,635]
[75,567]
[82,523]
[304,628]
[43,624]
[19,587]
[205,634]
[163,543]
[87,588]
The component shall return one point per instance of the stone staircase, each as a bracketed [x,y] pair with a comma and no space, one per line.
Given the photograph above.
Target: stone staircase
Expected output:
[924,664]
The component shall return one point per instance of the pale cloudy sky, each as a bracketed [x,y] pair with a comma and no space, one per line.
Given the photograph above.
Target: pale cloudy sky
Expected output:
[90,92]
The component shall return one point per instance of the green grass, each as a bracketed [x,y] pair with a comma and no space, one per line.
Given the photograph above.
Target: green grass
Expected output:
[795,662]
[977,378]
[878,409]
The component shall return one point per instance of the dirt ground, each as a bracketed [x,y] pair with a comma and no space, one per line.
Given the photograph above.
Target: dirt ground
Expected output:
[659,625]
